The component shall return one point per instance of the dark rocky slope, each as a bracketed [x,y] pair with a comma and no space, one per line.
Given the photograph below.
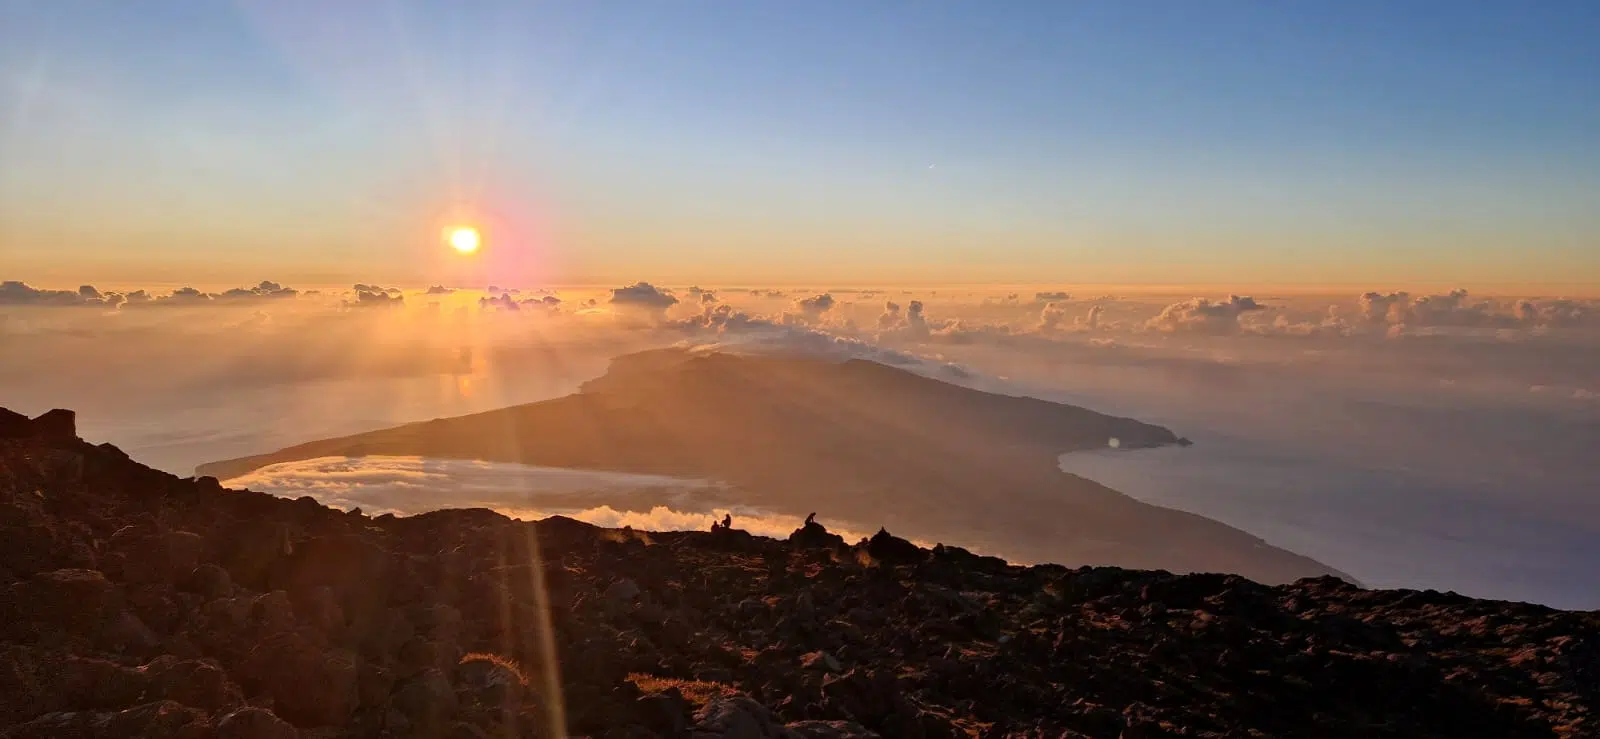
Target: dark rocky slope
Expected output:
[135,603]
[863,441]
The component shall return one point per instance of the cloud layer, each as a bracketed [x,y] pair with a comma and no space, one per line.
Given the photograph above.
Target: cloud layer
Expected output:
[1203,315]
[643,296]
[1488,404]
[411,485]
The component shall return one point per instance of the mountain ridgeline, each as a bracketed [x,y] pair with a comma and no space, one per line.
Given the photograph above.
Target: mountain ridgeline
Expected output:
[857,440]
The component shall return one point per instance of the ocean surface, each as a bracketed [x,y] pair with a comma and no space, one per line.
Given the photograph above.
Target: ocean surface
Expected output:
[1489,503]
[1389,528]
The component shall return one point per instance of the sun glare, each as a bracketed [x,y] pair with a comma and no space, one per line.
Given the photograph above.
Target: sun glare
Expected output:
[464,240]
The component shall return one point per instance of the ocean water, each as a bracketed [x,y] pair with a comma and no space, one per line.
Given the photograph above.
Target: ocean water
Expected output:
[1490,495]
[1388,527]
[1480,506]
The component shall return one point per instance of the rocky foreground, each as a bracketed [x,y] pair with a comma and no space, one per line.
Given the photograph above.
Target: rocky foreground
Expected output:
[135,603]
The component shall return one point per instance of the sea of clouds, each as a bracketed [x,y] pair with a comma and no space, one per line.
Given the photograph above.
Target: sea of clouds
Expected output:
[1412,439]
[406,485]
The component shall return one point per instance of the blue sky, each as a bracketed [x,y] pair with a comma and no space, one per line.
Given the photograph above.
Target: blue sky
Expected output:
[1382,143]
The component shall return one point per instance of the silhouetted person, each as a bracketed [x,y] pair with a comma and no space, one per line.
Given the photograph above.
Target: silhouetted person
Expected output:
[727,521]
[811,518]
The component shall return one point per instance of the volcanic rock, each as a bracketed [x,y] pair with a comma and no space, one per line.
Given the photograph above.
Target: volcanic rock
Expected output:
[74,601]
[886,547]
[813,535]
[229,614]
[254,723]
[210,581]
[56,425]
[428,701]
[736,717]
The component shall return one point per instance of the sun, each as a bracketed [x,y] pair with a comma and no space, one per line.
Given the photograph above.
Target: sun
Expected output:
[464,239]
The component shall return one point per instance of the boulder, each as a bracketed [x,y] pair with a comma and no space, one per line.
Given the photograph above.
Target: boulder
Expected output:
[272,612]
[210,581]
[355,568]
[254,723]
[387,632]
[437,621]
[145,553]
[14,425]
[319,609]
[309,686]
[198,683]
[183,553]
[77,601]
[374,683]
[667,713]
[158,719]
[623,592]
[125,632]
[736,717]
[820,661]
[868,695]
[417,655]
[813,535]
[427,701]
[491,681]
[89,684]
[30,543]
[886,547]
[464,730]
[252,548]
[57,724]
[829,730]
[56,425]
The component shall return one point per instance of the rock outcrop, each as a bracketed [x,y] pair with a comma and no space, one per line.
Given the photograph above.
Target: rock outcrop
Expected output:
[135,603]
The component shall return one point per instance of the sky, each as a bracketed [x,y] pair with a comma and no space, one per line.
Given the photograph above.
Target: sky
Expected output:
[1373,144]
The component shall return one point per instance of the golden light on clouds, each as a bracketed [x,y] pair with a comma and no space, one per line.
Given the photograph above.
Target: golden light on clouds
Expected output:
[463,239]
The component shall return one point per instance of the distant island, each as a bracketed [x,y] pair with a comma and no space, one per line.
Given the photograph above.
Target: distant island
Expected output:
[857,440]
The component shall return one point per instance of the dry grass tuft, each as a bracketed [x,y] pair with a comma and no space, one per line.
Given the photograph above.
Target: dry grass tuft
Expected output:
[516,669]
[699,692]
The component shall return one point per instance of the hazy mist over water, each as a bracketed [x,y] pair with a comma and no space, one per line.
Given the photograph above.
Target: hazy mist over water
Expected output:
[1398,481]
[411,485]
[1386,528]
[1421,441]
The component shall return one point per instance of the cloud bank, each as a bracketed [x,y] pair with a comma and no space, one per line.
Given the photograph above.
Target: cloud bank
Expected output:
[1488,405]
[412,485]
[1203,315]
[643,296]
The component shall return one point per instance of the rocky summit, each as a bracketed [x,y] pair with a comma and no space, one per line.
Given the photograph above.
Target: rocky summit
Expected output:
[136,603]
